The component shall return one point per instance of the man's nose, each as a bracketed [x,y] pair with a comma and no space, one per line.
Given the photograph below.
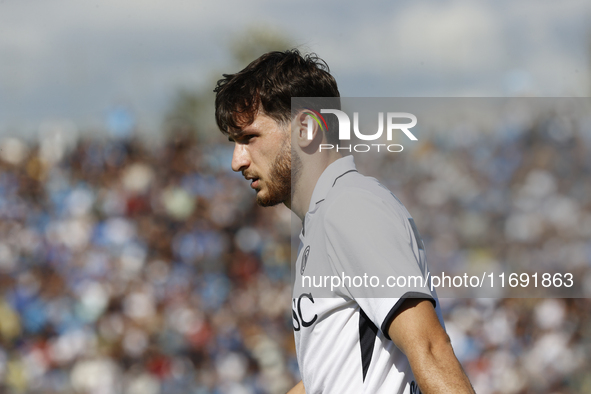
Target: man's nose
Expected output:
[240,158]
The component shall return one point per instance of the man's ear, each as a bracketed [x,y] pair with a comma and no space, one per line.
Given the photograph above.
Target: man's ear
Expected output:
[306,129]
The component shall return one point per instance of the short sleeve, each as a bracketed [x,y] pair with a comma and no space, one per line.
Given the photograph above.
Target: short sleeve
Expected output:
[370,237]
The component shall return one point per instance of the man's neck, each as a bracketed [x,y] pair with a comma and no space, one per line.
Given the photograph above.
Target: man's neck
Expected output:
[306,182]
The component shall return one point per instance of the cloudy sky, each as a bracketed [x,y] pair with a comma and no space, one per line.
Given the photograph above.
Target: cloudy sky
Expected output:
[76,59]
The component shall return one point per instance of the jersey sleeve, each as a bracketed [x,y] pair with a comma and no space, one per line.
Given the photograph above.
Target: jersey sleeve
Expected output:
[371,240]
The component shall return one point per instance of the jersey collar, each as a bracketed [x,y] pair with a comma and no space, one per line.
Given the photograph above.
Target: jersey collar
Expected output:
[329,177]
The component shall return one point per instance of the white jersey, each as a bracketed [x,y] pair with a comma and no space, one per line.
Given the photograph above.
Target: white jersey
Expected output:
[354,227]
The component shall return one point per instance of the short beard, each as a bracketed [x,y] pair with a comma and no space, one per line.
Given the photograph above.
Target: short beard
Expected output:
[296,166]
[279,183]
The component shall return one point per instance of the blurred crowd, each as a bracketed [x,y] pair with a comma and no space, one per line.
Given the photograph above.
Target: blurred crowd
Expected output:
[134,268]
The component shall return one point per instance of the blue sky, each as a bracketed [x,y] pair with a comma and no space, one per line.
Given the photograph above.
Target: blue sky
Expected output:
[74,60]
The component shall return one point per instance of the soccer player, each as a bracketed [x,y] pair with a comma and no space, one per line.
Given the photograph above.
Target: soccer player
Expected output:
[350,342]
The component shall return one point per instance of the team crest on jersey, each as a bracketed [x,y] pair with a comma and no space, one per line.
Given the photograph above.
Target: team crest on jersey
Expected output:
[305,259]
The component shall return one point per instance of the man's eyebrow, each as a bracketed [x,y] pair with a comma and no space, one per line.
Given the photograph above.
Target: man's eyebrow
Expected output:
[232,135]
[239,133]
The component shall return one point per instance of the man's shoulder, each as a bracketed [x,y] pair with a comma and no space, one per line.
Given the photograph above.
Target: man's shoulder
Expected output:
[358,191]
[363,200]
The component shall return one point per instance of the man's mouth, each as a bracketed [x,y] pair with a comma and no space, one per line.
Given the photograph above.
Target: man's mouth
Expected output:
[254,181]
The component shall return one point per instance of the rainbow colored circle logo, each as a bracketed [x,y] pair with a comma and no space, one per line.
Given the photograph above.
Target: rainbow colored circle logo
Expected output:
[317,117]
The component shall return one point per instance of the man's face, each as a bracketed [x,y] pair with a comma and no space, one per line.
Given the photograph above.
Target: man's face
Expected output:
[262,152]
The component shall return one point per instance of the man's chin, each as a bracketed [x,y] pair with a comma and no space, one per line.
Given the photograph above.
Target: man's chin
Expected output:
[265,200]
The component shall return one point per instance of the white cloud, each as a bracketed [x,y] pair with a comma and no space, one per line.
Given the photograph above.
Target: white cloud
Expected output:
[449,38]
[72,59]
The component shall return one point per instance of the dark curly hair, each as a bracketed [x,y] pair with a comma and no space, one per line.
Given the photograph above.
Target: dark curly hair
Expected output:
[268,84]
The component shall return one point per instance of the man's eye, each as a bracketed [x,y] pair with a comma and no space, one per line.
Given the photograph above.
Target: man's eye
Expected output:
[242,139]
